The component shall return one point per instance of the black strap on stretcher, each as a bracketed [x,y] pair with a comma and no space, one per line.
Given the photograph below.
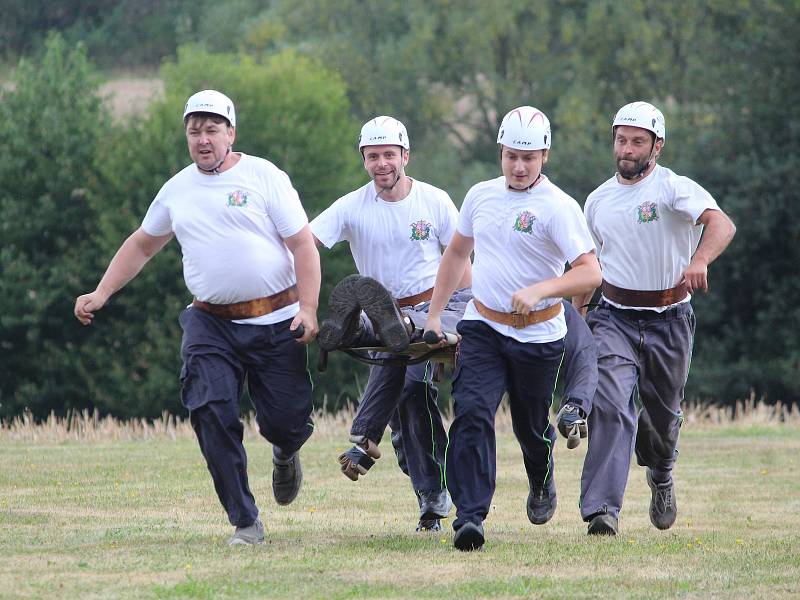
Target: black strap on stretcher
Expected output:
[420,353]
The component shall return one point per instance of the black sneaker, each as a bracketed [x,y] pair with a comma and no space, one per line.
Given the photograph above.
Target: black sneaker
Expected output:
[287,476]
[541,505]
[433,504]
[571,423]
[603,524]
[663,507]
[382,310]
[343,325]
[429,525]
[469,537]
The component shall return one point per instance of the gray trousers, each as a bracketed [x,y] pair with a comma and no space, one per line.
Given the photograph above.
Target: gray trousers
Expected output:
[644,352]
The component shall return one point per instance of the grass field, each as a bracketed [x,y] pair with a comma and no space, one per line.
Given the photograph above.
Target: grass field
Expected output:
[124,511]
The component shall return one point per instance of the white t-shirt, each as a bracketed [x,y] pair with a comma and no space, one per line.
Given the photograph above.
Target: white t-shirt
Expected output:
[231,229]
[397,243]
[646,233]
[521,238]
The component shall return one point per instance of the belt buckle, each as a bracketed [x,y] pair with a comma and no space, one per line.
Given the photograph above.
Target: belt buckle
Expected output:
[518,320]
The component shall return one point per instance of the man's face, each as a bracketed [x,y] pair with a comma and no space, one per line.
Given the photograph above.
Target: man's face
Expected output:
[522,167]
[633,149]
[208,141]
[385,164]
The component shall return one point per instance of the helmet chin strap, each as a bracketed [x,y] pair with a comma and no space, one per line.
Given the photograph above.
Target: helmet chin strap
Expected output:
[215,169]
[528,187]
[639,174]
[646,166]
[391,187]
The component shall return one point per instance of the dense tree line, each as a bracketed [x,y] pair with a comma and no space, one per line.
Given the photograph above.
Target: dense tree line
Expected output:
[304,75]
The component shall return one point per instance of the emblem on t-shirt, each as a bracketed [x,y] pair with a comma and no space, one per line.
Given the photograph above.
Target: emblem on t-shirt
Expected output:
[421,230]
[524,222]
[647,212]
[237,198]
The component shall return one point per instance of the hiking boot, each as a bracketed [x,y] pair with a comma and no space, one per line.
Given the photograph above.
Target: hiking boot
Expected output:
[433,504]
[389,325]
[541,505]
[252,535]
[360,458]
[287,476]
[603,524]
[469,537]
[571,422]
[343,325]
[663,507]
[429,525]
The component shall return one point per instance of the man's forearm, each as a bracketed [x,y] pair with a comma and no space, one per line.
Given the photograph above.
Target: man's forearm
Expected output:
[307,268]
[129,260]
[450,273]
[717,234]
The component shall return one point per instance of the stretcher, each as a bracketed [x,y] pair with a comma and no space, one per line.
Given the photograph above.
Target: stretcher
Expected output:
[415,353]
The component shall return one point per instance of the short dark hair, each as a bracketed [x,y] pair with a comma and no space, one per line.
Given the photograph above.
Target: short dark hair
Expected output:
[199,118]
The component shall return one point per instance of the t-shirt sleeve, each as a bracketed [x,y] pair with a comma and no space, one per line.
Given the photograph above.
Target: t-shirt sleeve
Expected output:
[329,226]
[691,199]
[570,231]
[157,221]
[285,208]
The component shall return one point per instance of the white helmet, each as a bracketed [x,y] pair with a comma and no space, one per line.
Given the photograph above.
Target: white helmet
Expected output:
[525,128]
[383,130]
[211,101]
[644,115]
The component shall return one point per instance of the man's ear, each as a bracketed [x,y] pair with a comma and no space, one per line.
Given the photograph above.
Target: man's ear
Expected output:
[545,156]
[657,147]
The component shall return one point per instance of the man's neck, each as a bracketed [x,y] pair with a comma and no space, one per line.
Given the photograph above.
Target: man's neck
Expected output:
[396,193]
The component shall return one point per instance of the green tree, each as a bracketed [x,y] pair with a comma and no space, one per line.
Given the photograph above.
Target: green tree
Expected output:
[725,74]
[747,152]
[50,124]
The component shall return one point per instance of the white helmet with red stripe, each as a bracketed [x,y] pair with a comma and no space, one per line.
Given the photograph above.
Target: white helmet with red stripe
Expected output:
[382,131]
[525,128]
[643,115]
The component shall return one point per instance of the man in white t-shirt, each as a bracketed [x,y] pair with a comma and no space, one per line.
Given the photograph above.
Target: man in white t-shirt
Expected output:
[523,230]
[396,227]
[647,223]
[250,262]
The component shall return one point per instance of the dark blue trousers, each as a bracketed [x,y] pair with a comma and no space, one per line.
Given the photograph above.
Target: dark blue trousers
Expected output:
[405,398]
[644,352]
[218,356]
[489,364]
[580,361]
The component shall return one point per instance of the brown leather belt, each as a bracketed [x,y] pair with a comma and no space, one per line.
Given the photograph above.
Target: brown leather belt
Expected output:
[643,297]
[518,320]
[416,298]
[250,308]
